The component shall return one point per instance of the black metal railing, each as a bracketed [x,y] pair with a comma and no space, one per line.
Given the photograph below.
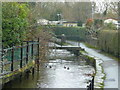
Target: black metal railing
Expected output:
[16,57]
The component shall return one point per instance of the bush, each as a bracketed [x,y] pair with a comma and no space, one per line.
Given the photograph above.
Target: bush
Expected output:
[80,23]
[98,23]
[14,23]
[109,26]
[71,33]
[89,23]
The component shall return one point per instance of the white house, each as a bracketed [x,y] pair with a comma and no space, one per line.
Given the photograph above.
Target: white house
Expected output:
[54,22]
[113,21]
[61,22]
[43,22]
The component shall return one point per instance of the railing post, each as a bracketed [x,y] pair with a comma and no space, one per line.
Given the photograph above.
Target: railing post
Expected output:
[92,83]
[78,41]
[27,52]
[2,60]
[21,55]
[38,57]
[94,64]
[32,50]
[38,48]
[12,59]
[90,87]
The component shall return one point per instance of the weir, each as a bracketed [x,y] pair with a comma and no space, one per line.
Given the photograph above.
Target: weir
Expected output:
[75,50]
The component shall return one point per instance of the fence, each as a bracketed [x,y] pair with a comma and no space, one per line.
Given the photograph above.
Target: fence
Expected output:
[19,56]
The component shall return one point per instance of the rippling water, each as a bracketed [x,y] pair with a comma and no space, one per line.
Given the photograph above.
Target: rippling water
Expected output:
[64,70]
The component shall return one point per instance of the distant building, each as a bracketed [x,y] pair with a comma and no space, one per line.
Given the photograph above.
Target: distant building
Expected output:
[113,21]
[70,24]
[47,22]
[54,22]
[61,22]
[83,25]
[43,22]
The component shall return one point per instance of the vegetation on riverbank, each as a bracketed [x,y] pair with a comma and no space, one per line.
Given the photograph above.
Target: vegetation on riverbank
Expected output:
[14,23]
[90,59]
[104,77]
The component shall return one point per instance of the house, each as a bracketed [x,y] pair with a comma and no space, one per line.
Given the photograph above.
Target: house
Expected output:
[70,24]
[42,22]
[61,22]
[113,21]
[54,22]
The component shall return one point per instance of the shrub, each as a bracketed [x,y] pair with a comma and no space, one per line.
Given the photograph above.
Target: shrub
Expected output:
[109,26]
[14,23]
[89,23]
[71,33]
[98,23]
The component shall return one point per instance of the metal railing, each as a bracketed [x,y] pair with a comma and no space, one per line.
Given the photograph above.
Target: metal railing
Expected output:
[17,57]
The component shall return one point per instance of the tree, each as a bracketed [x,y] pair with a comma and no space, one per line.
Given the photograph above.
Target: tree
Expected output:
[107,9]
[14,22]
[89,23]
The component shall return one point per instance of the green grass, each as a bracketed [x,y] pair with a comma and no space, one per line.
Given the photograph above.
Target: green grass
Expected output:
[83,51]
[104,77]
[91,46]
[101,86]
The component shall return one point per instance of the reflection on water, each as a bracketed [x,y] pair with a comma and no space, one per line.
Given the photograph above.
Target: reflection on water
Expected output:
[64,70]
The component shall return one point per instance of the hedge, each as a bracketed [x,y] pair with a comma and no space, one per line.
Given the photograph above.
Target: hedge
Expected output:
[71,33]
[109,41]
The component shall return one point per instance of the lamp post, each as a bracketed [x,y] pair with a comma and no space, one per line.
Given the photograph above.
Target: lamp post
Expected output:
[62,39]
[78,38]
[58,16]
[119,15]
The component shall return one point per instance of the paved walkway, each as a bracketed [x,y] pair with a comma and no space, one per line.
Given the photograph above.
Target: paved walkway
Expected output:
[110,66]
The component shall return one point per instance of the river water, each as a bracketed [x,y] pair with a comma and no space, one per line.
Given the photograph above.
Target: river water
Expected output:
[64,70]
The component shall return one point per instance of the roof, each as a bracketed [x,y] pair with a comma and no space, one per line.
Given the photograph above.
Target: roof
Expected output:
[111,18]
[111,21]
[70,22]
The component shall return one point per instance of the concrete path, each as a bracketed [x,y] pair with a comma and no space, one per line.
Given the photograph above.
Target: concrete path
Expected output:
[110,66]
